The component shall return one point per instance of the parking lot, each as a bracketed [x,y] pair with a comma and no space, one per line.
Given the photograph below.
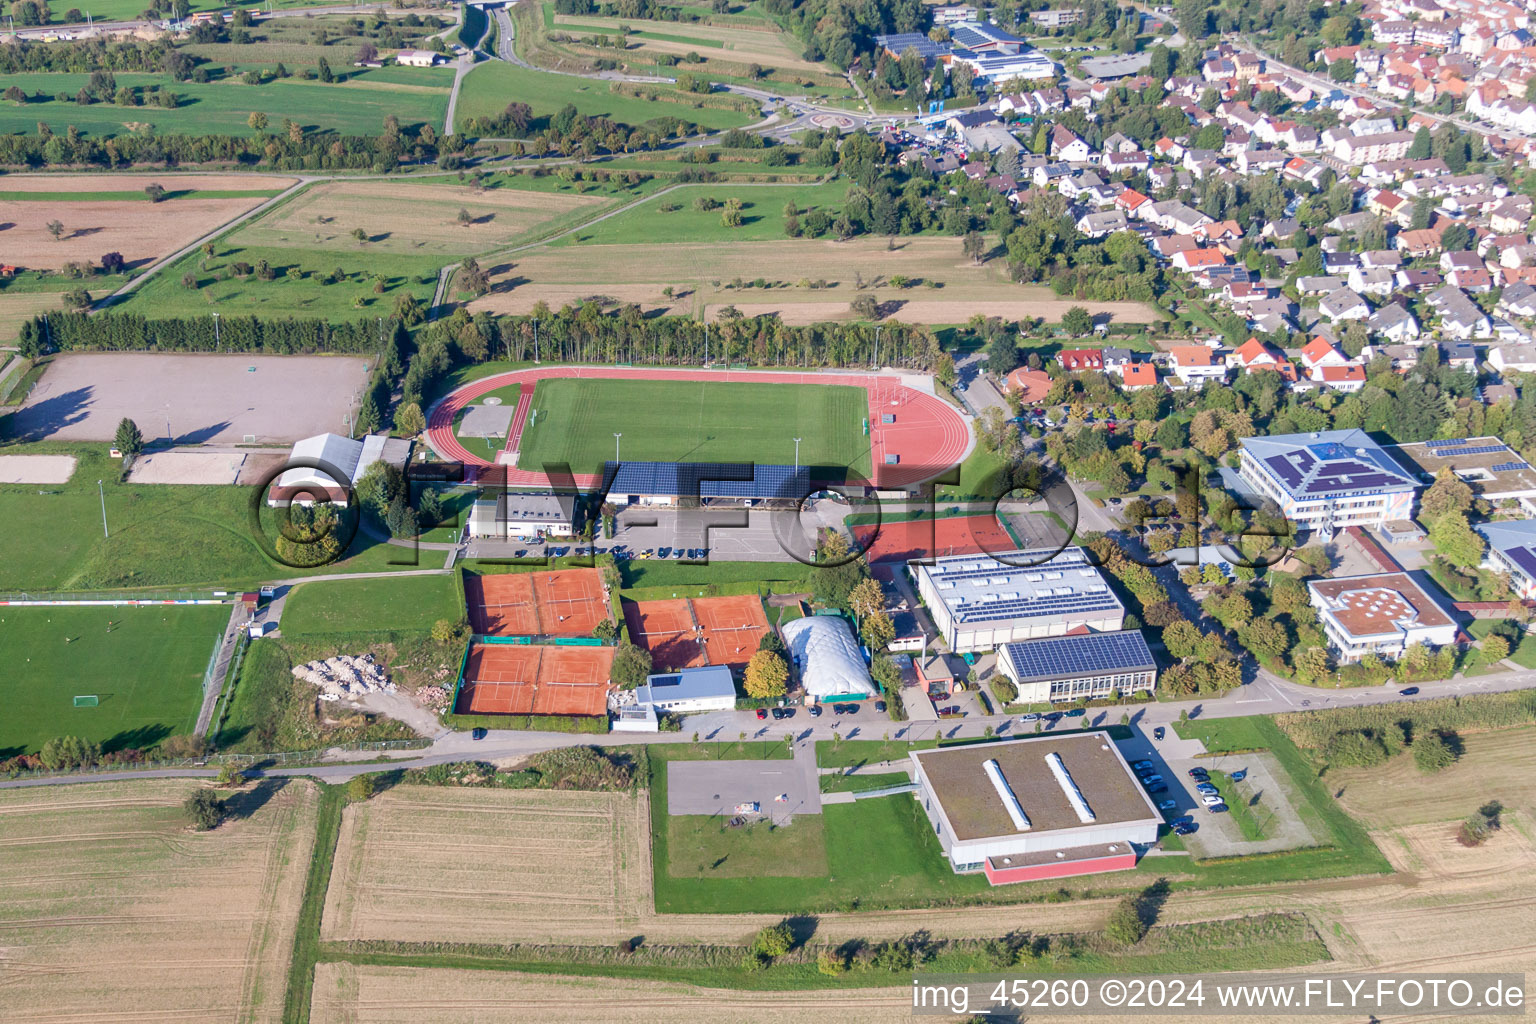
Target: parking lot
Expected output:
[1268,794]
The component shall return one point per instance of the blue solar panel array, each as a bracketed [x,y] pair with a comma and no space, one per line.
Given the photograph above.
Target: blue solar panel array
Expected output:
[1063,657]
[1510,467]
[1488,449]
[1525,558]
[708,480]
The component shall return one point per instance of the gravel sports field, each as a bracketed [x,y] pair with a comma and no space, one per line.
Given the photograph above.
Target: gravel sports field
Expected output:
[83,396]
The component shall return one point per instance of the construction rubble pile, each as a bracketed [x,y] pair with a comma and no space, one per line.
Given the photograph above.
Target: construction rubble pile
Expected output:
[346,675]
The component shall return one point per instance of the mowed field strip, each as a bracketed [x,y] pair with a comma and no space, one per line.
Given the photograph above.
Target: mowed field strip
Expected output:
[347,994]
[92,228]
[111,909]
[408,218]
[699,271]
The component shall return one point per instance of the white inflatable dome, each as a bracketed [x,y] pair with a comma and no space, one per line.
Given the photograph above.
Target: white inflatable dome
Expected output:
[829,658]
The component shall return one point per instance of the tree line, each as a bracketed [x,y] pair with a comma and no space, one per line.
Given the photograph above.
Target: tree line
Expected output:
[130,332]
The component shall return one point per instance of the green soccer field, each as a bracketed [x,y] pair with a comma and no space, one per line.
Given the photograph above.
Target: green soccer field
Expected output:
[695,421]
[147,671]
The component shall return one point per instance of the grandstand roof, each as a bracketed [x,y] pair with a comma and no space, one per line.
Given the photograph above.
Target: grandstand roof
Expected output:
[707,480]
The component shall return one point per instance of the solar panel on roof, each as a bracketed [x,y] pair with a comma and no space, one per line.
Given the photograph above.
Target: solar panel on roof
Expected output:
[1525,558]
[1491,449]
[1092,653]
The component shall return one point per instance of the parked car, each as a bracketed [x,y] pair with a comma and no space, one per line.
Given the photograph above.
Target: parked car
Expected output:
[1408,691]
[1159,733]
[762,713]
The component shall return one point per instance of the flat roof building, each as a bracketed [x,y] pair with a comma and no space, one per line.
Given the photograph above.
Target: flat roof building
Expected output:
[1328,480]
[515,515]
[710,688]
[1035,808]
[1382,614]
[1485,464]
[1089,665]
[978,602]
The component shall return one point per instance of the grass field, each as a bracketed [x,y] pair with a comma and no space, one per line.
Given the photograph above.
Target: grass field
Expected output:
[354,107]
[409,603]
[488,89]
[160,535]
[147,670]
[411,218]
[302,290]
[104,884]
[695,421]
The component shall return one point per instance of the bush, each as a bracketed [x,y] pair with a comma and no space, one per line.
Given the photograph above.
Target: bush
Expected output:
[1431,753]
[205,809]
[773,941]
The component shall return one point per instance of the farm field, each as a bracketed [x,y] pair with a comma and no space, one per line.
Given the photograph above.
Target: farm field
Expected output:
[345,993]
[406,604]
[145,663]
[355,107]
[105,886]
[507,866]
[1498,765]
[695,421]
[93,228]
[488,89]
[763,44]
[699,272]
[125,186]
[410,218]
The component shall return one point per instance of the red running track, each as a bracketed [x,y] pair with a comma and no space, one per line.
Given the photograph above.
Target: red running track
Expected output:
[928,435]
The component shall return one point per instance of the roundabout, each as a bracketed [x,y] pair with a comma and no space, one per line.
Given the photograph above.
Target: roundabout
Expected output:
[912,434]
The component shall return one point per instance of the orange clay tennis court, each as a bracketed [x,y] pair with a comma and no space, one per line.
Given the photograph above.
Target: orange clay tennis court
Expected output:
[500,679]
[933,538]
[565,602]
[731,628]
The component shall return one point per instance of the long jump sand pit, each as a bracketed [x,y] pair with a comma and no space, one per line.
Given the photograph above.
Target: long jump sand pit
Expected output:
[111,908]
[350,994]
[821,282]
[36,469]
[187,468]
[141,232]
[220,398]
